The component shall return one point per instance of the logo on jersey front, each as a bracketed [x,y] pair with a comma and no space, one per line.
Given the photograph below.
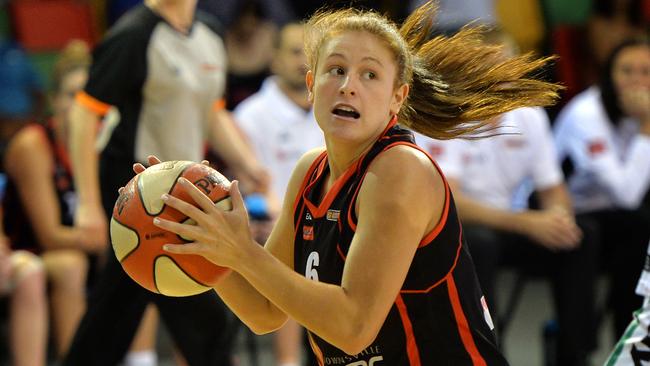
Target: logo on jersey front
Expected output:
[307,232]
[333,215]
[308,227]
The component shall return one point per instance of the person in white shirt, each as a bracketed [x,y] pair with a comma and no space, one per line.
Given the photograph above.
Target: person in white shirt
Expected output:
[604,133]
[279,123]
[488,176]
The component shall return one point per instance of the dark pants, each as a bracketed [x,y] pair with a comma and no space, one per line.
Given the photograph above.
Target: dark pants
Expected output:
[623,239]
[201,326]
[572,273]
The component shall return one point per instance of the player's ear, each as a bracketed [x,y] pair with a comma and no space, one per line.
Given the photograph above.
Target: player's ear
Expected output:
[309,79]
[399,96]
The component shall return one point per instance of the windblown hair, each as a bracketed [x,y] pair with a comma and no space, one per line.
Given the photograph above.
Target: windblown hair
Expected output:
[75,55]
[458,84]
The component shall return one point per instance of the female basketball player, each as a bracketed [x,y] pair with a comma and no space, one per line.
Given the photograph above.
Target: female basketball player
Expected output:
[368,253]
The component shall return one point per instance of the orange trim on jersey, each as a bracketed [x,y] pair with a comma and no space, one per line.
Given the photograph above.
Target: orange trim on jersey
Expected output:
[317,352]
[428,238]
[340,251]
[411,344]
[426,290]
[218,105]
[305,181]
[320,210]
[440,225]
[91,103]
[463,326]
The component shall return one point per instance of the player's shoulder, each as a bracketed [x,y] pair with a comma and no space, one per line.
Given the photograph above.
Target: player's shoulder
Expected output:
[308,159]
[403,164]
[402,157]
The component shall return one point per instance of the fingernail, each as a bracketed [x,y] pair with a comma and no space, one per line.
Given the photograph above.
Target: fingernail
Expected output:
[156,221]
[165,247]
[164,197]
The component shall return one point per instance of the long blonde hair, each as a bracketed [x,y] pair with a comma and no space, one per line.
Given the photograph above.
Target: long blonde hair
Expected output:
[457,83]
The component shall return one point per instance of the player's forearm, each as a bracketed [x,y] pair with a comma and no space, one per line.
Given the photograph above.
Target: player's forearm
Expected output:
[83,154]
[327,310]
[253,309]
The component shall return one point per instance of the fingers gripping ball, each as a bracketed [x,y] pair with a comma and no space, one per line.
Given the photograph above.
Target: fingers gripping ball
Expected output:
[137,242]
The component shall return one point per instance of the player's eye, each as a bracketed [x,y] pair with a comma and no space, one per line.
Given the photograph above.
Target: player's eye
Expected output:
[336,71]
[369,75]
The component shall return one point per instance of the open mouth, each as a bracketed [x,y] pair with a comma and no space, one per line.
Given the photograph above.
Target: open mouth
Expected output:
[345,111]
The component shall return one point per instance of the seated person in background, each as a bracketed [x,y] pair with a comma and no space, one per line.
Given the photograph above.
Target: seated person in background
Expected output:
[22,281]
[485,176]
[249,48]
[604,132]
[40,199]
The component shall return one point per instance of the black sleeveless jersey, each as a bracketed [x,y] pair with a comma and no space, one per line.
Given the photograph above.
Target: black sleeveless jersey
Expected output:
[439,316]
[17,224]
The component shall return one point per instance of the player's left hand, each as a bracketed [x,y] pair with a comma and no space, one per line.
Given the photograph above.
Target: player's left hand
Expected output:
[219,236]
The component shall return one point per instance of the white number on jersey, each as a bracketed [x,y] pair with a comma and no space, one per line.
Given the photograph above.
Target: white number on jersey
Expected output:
[312,263]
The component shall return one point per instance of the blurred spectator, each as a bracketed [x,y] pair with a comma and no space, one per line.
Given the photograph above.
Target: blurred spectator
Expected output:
[603,134]
[249,47]
[41,198]
[280,125]
[611,22]
[485,176]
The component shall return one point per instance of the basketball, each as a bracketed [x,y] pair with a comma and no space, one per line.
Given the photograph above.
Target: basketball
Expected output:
[137,242]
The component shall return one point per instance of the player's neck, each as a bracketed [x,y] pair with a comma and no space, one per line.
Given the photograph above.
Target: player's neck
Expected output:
[178,13]
[341,156]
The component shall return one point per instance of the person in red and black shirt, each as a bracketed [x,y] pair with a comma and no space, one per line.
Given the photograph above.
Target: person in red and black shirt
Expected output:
[40,199]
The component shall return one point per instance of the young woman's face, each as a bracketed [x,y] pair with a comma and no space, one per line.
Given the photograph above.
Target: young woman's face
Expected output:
[631,77]
[353,87]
